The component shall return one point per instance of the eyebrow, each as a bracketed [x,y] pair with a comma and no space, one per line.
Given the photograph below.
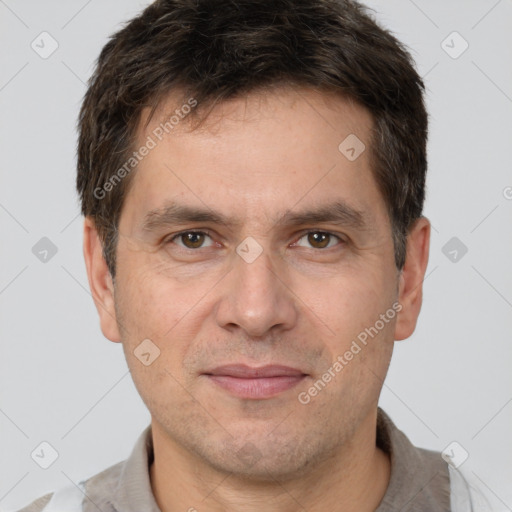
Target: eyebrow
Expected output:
[175,213]
[338,212]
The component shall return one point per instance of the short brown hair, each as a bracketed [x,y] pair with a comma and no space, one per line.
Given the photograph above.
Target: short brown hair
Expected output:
[214,50]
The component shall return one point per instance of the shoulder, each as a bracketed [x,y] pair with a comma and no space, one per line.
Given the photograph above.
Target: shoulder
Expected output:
[467,494]
[104,491]
[98,488]
[38,505]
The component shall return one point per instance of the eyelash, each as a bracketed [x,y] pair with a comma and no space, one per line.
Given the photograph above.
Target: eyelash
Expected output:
[208,233]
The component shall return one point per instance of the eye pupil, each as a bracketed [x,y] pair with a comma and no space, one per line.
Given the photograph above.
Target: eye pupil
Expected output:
[193,240]
[318,239]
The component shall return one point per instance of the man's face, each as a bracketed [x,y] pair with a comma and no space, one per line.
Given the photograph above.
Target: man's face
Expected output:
[269,284]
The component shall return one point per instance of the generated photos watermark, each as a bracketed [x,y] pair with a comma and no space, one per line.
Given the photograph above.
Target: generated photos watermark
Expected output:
[343,360]
[151,142]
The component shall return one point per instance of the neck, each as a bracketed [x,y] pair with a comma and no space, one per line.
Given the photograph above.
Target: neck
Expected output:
[354,478]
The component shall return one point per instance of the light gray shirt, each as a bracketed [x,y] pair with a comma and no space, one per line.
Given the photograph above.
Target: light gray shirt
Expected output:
[420,481]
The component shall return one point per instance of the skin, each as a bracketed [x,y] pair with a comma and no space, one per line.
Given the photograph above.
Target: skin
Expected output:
[297,304]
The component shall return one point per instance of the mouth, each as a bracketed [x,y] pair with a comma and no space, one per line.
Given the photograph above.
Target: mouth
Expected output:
[255,383]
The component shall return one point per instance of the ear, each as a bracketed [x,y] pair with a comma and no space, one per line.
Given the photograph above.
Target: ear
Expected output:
[410,290]
[100,281]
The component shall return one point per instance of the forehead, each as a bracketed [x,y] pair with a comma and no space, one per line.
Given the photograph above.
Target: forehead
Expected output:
[283,104]
[260,155]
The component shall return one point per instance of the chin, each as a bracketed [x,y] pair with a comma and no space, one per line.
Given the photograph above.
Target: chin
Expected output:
[266,460]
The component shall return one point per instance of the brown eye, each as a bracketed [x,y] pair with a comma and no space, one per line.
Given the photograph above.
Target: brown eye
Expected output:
[318,240]
[191,239]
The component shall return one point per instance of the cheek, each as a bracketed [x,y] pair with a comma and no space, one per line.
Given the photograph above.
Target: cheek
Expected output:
[151,299]
[346,302]
[150,308]
[168,311]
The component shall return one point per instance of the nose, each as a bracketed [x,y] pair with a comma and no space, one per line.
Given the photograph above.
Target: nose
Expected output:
[256,298]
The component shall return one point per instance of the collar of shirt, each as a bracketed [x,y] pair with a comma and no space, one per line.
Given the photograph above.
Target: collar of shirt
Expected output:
[419,478]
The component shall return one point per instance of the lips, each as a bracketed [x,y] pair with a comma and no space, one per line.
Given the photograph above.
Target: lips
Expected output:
[255,382]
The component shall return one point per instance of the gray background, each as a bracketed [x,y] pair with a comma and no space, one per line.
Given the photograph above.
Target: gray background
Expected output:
[63,383]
